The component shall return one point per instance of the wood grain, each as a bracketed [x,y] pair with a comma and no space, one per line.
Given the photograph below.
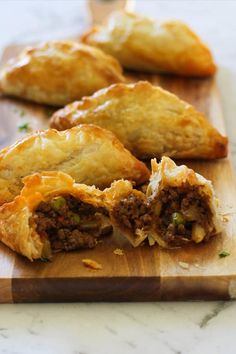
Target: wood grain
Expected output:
[142,274]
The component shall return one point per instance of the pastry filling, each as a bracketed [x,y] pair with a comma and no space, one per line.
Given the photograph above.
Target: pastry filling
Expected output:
[132,213]
[182,215]
[68,223]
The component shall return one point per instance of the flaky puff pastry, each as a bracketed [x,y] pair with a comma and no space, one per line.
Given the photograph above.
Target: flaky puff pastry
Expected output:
[143,44]
[128,211]
[17,226]
[148,120]
[88,153]
[59,72]
[182,204]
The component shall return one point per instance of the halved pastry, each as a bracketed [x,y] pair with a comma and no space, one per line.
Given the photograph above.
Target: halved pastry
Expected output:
[182,203]
[128,211]
[59,72]
[148,120]
[51,214]
[143,44]
[88,153]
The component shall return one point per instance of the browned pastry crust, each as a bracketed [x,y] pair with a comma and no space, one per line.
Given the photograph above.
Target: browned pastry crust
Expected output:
[143,44]
[59,72]
[183,205]
[88,153]
[149,121]
[18,226]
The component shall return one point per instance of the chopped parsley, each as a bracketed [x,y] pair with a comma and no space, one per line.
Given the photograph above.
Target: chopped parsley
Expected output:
[24,127]
[223,254]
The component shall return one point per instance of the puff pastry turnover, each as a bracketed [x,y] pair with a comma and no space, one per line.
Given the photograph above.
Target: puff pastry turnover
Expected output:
[148,120]
[53,213]
[89,154]
[179,207]
[128,211]
[182,204]
[59,72]
[143,44]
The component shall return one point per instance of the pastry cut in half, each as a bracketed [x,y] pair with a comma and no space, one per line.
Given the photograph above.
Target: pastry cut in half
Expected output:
[59,72]
[144,44]
[128,211]
[89,154]
[149,121]
[52,214]
[182,204]
[178,207]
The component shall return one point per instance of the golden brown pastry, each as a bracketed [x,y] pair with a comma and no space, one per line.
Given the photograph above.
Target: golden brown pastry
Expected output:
[128,211]
[182,204]
[148,120]
[53,213]
[179,207]
[89,154]
[59,72]
[143,44]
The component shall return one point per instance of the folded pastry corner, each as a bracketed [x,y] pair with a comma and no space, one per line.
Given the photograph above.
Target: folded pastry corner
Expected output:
[89,154]
[183,205]
[52,214]
[128,211]
[59,72]
[143,44]
[149,121]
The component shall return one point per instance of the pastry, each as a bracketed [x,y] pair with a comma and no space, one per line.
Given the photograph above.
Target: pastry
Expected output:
[148,120]
[182,204]
[52,214]
[89,154]
[128,211]
[59,72]
[178,207]
[143,44]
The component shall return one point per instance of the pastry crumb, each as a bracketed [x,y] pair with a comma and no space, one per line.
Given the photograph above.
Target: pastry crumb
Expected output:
[118,252]
[225,218]
[89,263]
[184,265]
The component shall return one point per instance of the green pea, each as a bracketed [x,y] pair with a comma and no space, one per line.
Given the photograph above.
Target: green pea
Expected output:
[75,218]
[177,218]
[88,225]
[58,203]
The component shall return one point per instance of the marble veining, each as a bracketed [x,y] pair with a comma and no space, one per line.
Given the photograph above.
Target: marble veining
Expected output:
[164,328]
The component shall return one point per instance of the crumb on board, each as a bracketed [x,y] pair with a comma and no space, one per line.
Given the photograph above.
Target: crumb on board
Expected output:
[89,263]
[184,265]
[118,252]
[225,218]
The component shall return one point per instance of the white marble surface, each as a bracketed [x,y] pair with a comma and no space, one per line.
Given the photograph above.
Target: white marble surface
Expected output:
[203,327]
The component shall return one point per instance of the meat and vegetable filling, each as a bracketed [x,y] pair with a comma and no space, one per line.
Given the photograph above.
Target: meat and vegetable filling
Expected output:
[69,224]
[182,215]
[132,213]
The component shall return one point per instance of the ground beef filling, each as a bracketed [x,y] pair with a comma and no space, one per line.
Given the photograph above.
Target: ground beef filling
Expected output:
[131,212]
[69,224]
[182,210]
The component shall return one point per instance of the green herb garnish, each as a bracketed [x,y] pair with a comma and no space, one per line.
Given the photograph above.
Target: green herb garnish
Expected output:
[43,259]
[24,127]
[223,254]
[22,113]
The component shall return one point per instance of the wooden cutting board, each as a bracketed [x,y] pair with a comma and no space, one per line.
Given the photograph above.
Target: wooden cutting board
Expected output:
[141,274]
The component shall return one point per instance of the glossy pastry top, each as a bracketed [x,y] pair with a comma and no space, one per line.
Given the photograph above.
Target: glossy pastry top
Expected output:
[88,153]
[59,72]
[149,121]
[143,44]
